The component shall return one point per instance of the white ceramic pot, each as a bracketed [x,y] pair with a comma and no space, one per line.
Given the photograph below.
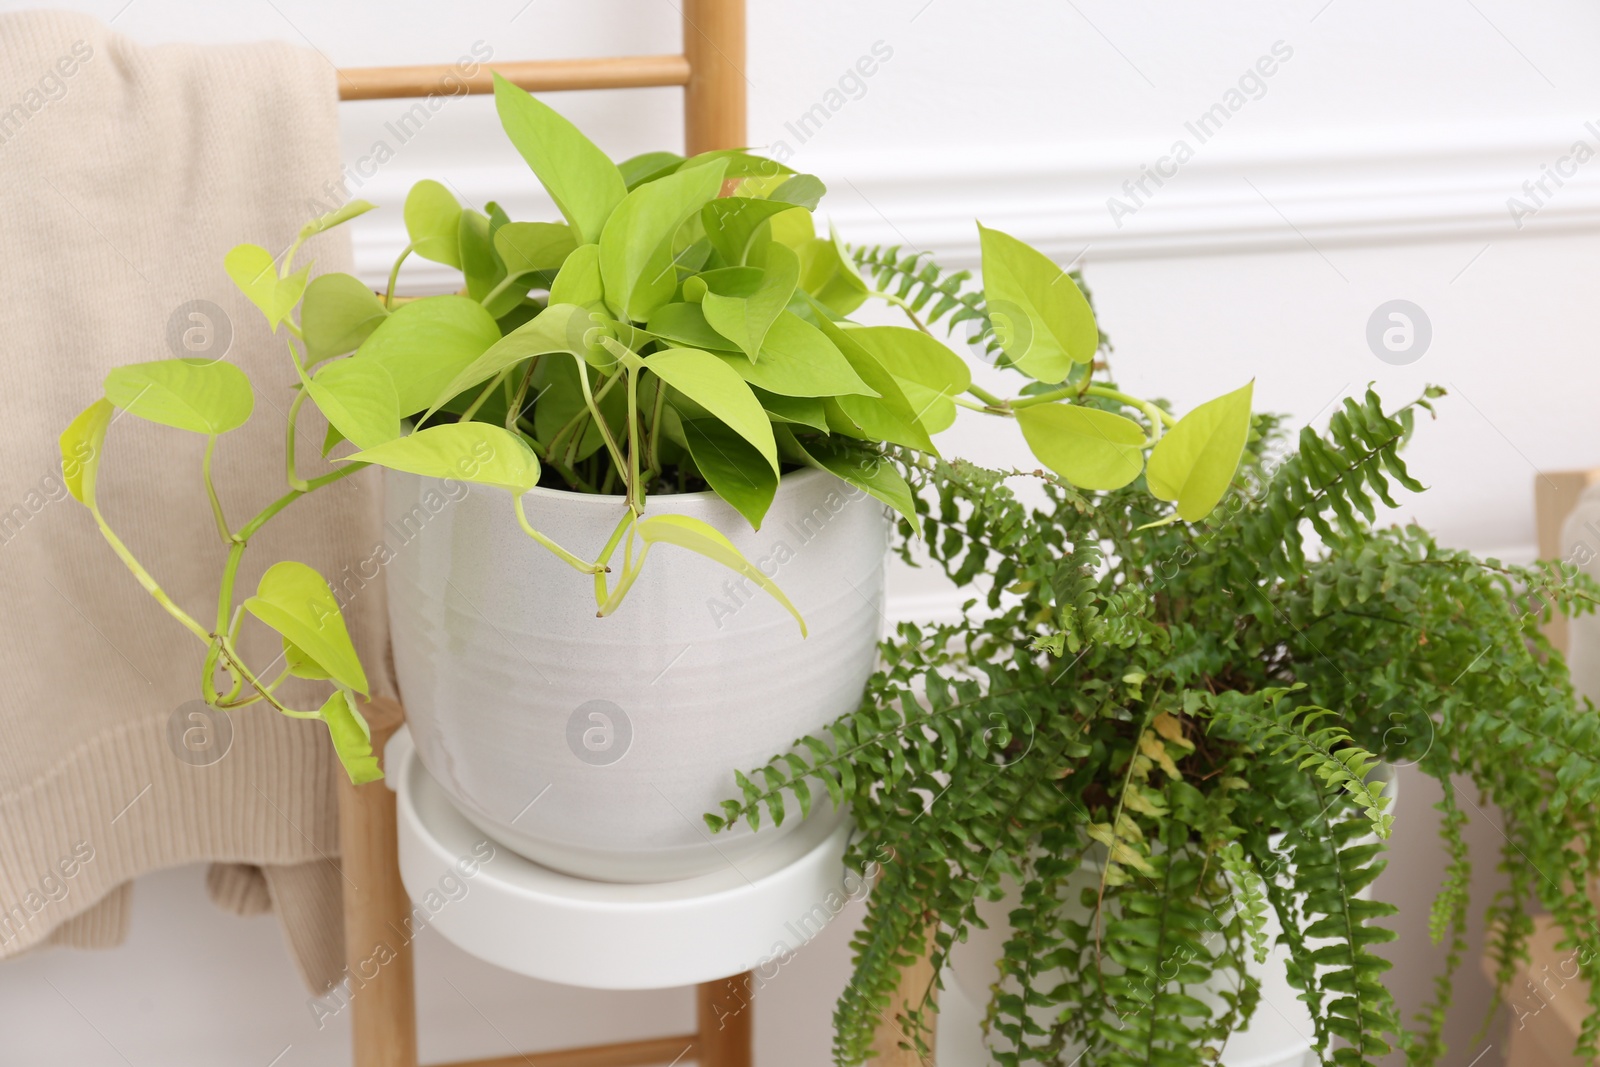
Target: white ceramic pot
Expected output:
[593,746]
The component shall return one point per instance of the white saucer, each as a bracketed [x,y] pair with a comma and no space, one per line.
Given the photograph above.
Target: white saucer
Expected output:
[526,918]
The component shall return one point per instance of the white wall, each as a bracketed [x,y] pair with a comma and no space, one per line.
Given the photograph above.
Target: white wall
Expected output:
[1375,163]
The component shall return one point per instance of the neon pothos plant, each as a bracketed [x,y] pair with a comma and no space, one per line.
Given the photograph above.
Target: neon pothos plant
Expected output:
[682,328]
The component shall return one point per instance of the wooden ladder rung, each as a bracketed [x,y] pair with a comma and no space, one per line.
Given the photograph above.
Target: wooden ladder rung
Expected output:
[655,1052]
[536,76]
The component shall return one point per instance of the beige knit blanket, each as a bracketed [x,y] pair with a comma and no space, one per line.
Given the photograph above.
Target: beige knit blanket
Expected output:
[126,173]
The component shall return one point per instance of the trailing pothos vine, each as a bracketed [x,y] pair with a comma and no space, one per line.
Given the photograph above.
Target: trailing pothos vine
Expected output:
[1151,738]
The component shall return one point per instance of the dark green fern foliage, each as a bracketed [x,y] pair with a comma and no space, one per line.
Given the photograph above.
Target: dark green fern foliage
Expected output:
[1154,739]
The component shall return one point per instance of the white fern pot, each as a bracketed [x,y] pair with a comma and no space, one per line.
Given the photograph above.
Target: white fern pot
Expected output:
[593,746]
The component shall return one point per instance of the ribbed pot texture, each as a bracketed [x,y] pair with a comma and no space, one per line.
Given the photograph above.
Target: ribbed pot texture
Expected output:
[593,746]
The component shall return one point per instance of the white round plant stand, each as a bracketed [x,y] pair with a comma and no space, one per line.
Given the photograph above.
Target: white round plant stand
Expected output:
[513,913]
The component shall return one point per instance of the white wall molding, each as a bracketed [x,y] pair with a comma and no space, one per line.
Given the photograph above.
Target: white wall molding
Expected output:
[1331,188]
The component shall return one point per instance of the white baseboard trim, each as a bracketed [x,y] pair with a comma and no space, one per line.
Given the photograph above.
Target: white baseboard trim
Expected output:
[1323,188]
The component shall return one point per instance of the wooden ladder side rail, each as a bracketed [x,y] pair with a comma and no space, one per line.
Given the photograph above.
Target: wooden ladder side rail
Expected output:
[1555,494]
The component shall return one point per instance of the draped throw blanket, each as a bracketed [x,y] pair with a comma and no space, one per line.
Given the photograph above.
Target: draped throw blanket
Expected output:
[126,174]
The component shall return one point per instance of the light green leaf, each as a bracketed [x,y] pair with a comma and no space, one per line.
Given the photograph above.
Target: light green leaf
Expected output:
[798,410]
[636,261]
[205,396]
[1194,462]
[338,314]
[865,470]
[578,281]
[715,386]
[526,247]
[294,600]
[1090,448]
[731,223]
[686,324]
[81,443]
[745,319]
[558,328]
[705,539]
[470,451]
[829,275]
[797,359]
[804,190]
[733,467]
[889,416]
[433,223]
[252,269]
[352,739]
[648,166]
[333,218]
[927,372]
[480,264]
[358,399]
[583,182]
[1042,320]
[426,343]
[301,665]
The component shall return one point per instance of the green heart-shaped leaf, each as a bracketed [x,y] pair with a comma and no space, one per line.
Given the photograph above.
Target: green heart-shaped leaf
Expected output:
[889,416]
[866,470]
[581,179]
[647,167]
[358,399]
[797,359]
[830,276]
[433,223]
[1090,448]
[732,221]
[471,451]
[745,319]
[685,324]
[526,247]
[1194,462]
[636,261]
[335,217]
[294,600]
[1043,321]
[252,269]
[578,281]
[204,396]
[352,739]
[81,443]
[715,386]
[339,313]
[927,372]
[705,539]
[797,410]
[733,467]
[558,328]
[426,343]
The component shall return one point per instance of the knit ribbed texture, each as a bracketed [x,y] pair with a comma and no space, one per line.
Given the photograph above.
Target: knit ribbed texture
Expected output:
[126,173]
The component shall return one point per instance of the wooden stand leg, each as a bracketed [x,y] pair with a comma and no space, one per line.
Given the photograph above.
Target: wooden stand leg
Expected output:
[714,100]
[725,1013]
[886,1043]
[377,942]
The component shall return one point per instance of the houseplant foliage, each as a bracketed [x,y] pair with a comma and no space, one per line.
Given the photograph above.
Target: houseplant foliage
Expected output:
[681,328]
[1161,735]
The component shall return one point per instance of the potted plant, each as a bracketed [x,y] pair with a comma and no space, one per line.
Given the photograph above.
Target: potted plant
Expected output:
[670,364]
[1143,771]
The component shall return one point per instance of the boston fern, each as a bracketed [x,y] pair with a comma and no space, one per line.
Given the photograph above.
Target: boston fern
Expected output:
[1149,738]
